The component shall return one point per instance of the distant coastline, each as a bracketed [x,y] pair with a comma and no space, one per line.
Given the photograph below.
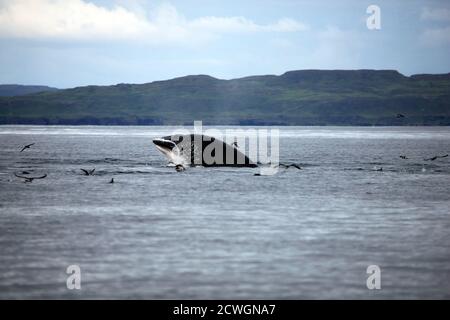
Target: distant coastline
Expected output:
[302,98]
[259,124]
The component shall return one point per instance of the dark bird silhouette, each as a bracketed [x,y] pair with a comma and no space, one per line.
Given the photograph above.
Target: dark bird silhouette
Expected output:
[28,146]
[88,172]
[287,166]
[379,169]
[180,168]
[112,180]
[235,144]
[399,115]
[436,157]
[404,157]
[30,179]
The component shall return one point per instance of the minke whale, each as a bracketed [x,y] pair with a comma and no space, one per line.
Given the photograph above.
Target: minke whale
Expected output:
[201,150]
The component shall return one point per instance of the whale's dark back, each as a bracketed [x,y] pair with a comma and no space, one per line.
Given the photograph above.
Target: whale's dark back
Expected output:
[219,154]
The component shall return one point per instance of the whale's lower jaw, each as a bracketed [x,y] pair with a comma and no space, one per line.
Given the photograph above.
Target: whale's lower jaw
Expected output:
[166,152]
[171,156]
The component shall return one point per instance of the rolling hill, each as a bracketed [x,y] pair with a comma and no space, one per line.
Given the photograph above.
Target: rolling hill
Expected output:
[305,97]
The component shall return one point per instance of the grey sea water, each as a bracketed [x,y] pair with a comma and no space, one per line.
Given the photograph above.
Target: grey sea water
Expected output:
[223,233]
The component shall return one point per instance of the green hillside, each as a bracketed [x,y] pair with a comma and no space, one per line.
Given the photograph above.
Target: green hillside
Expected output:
[307,97]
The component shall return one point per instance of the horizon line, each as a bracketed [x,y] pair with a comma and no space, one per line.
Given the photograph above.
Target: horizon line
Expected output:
[220,79]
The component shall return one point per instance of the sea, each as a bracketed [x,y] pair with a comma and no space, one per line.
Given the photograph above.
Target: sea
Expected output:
[355,215]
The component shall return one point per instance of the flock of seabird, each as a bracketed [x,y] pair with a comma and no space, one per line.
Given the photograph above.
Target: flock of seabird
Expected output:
[29,179]
[427,159]
[181,168]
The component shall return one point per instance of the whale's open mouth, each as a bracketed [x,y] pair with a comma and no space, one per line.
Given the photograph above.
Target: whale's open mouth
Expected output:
[164,144]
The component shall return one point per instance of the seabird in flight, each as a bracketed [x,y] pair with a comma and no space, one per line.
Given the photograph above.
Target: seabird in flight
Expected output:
[88,172]
[27,147]
[30,179]
[436,157]
[287,166]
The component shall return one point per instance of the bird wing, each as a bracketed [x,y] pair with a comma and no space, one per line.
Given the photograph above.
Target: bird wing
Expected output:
[92,171]
[85,171]
[287,166]
[23,149]
[30,178]
[31,144]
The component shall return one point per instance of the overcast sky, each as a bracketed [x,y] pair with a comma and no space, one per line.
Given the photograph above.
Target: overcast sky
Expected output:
[67,43]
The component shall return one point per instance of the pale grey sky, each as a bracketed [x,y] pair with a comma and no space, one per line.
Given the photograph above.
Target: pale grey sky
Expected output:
[66,43]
